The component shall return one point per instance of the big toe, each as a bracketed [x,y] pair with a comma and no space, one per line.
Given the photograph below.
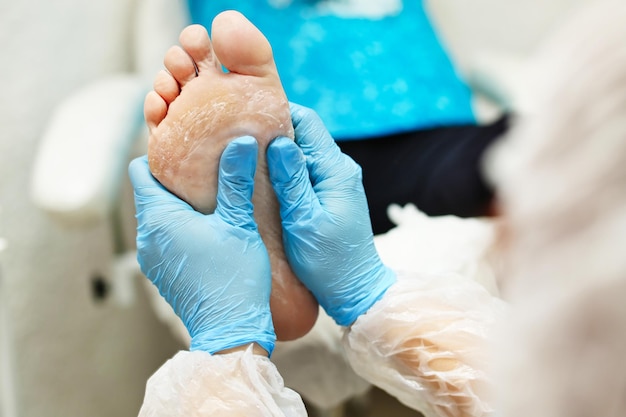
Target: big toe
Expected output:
[240,46]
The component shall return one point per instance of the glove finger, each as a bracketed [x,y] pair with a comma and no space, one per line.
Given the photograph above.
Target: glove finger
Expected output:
[148,191]
[236,182]
[140,176]
[290,178]
[324,159]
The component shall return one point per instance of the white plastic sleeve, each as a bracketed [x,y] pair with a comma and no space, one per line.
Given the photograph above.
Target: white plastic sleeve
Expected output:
[427,343]
[197,384]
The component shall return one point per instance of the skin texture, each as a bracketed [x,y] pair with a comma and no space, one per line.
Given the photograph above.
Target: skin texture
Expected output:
[196,108]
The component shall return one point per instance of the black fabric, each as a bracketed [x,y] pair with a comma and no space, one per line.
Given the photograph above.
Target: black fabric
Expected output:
[439,170]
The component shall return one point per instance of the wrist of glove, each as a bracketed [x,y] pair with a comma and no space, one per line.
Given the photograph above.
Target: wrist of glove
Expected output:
[327,232]
[212,269]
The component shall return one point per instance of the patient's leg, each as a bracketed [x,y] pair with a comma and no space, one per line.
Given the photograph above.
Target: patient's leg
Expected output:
[196,109]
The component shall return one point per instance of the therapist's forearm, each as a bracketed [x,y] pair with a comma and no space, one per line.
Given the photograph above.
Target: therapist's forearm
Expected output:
[239,383]
[427,343]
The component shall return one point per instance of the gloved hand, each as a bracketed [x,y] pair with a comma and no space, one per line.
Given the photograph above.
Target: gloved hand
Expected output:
[327,232]
[214,270]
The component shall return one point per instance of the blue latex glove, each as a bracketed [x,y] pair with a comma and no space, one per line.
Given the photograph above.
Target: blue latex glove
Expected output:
[214,270]
[326,227]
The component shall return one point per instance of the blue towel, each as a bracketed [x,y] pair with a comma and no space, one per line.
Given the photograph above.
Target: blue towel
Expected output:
[365,77]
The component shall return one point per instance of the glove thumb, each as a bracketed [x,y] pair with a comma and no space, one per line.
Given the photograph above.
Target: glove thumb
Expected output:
[290,178]
[236,183]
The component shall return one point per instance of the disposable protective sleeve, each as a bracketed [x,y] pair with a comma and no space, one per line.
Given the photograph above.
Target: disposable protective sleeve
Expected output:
[427,343]
[197,384]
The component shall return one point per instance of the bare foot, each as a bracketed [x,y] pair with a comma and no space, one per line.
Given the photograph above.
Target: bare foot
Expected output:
[196,109]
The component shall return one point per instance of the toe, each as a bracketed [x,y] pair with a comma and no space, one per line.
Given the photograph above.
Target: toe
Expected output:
[180,65]
[240,46]
[154,110]
[166,86]
[195,41]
